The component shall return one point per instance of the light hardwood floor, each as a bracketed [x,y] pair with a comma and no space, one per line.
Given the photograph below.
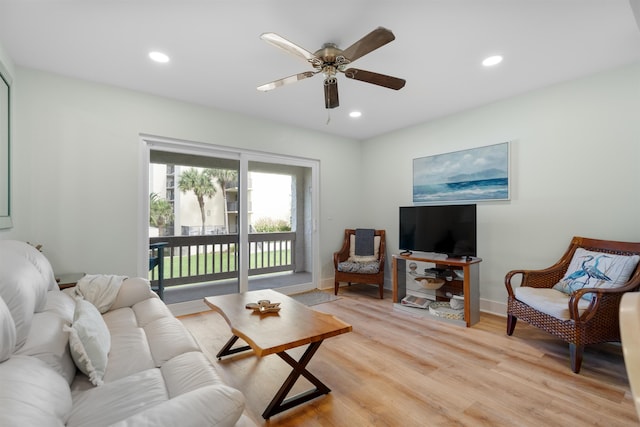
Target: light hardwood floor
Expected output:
[396,369]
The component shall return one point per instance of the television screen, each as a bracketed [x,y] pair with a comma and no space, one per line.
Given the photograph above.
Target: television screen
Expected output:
[448,229]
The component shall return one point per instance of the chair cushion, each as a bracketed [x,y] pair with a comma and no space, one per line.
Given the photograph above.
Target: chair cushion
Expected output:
[590,269]
[359,267]
[549,301]
[359,258]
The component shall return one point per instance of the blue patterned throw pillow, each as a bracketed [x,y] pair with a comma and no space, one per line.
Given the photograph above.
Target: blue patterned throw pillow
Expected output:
[590,269]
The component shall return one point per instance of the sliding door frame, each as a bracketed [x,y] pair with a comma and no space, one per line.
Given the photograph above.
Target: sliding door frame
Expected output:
[153,142]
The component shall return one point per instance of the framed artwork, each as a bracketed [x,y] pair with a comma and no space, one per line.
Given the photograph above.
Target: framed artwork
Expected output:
[5,153]
[471,175]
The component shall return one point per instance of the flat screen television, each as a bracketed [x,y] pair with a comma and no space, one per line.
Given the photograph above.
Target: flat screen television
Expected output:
[446,229]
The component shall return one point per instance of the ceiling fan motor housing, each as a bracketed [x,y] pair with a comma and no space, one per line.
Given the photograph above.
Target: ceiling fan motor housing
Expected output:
[330,56]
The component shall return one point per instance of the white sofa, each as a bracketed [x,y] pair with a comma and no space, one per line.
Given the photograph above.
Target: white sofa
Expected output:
[155,375]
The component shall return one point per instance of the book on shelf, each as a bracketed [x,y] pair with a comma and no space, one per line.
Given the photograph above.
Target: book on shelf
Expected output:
[416,301]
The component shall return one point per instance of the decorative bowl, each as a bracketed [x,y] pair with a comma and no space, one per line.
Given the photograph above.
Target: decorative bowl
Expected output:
[429,282]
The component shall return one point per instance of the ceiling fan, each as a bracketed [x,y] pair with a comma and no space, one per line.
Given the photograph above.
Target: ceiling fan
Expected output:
[330,60]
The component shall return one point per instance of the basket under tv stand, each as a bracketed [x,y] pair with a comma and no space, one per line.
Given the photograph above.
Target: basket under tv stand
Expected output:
[468,284]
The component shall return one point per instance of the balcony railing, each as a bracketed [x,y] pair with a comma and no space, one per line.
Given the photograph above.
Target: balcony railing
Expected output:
[196,259]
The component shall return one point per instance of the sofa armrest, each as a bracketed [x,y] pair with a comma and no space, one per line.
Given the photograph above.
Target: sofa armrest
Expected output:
[214,405]
[131,292]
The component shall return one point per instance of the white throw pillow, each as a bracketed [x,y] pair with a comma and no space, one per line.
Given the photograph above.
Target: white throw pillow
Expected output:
[89,341]
[589,269]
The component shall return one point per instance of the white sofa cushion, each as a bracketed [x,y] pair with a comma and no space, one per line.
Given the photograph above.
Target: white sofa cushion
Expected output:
[61,304]
[32,394]
[549,301]
[89,341]
[49,342]
[188,372]
[7,332]
[218,405]
[117,400]
[124,344]
[168,338]
[150,309]
[132,291]
[23,290]
[34,257]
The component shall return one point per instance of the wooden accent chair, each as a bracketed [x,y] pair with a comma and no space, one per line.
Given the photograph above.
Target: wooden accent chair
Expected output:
[371,272]
[586,315]
[629,325]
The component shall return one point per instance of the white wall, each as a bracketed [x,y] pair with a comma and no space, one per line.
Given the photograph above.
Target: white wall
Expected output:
[77,155]
[575,155]
[575,170]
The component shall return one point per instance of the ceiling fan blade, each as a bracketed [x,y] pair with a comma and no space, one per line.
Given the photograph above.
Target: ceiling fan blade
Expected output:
[375,39]
[375,78]
[281,82]
[284,44]
[331,92]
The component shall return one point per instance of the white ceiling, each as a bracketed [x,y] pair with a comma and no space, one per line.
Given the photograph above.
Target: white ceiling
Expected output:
[218,59]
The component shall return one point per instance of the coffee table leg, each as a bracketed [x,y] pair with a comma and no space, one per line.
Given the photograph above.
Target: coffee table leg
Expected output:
[227,350]
[279,402]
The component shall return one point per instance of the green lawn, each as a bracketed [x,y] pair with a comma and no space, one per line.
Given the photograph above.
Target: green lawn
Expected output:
[220,262]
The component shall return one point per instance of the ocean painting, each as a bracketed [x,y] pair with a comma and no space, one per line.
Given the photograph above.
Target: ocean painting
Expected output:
[469,175]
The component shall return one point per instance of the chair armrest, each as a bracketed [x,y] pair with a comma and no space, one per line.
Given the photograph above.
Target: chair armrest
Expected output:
[602,299]
[342,254]
[545,278]
[381,261]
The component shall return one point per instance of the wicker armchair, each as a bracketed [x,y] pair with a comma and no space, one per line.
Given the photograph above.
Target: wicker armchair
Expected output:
[586,322]
[376,277]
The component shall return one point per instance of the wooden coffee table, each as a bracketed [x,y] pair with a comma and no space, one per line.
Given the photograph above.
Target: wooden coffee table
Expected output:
[293,326]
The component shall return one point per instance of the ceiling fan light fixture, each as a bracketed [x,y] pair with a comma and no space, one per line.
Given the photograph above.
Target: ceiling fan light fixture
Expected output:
[492,60]
[355,114]
[159,57]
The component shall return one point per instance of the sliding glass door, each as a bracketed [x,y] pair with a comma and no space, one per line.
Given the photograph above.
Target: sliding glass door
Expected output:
[280,233]
[230,221]
[193,217]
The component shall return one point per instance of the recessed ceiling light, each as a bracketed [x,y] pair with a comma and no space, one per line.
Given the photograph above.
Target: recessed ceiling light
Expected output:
[492,60]
[355,114]
[158,57]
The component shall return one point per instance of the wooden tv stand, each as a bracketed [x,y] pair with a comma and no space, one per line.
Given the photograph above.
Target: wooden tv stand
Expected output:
[468,285]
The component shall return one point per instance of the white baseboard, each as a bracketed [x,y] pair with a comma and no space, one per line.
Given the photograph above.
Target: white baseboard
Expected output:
[198,306]
[493,307]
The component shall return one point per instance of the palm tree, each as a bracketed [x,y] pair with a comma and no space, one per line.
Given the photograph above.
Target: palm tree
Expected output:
[224,177]
[160,212]
[200,183]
